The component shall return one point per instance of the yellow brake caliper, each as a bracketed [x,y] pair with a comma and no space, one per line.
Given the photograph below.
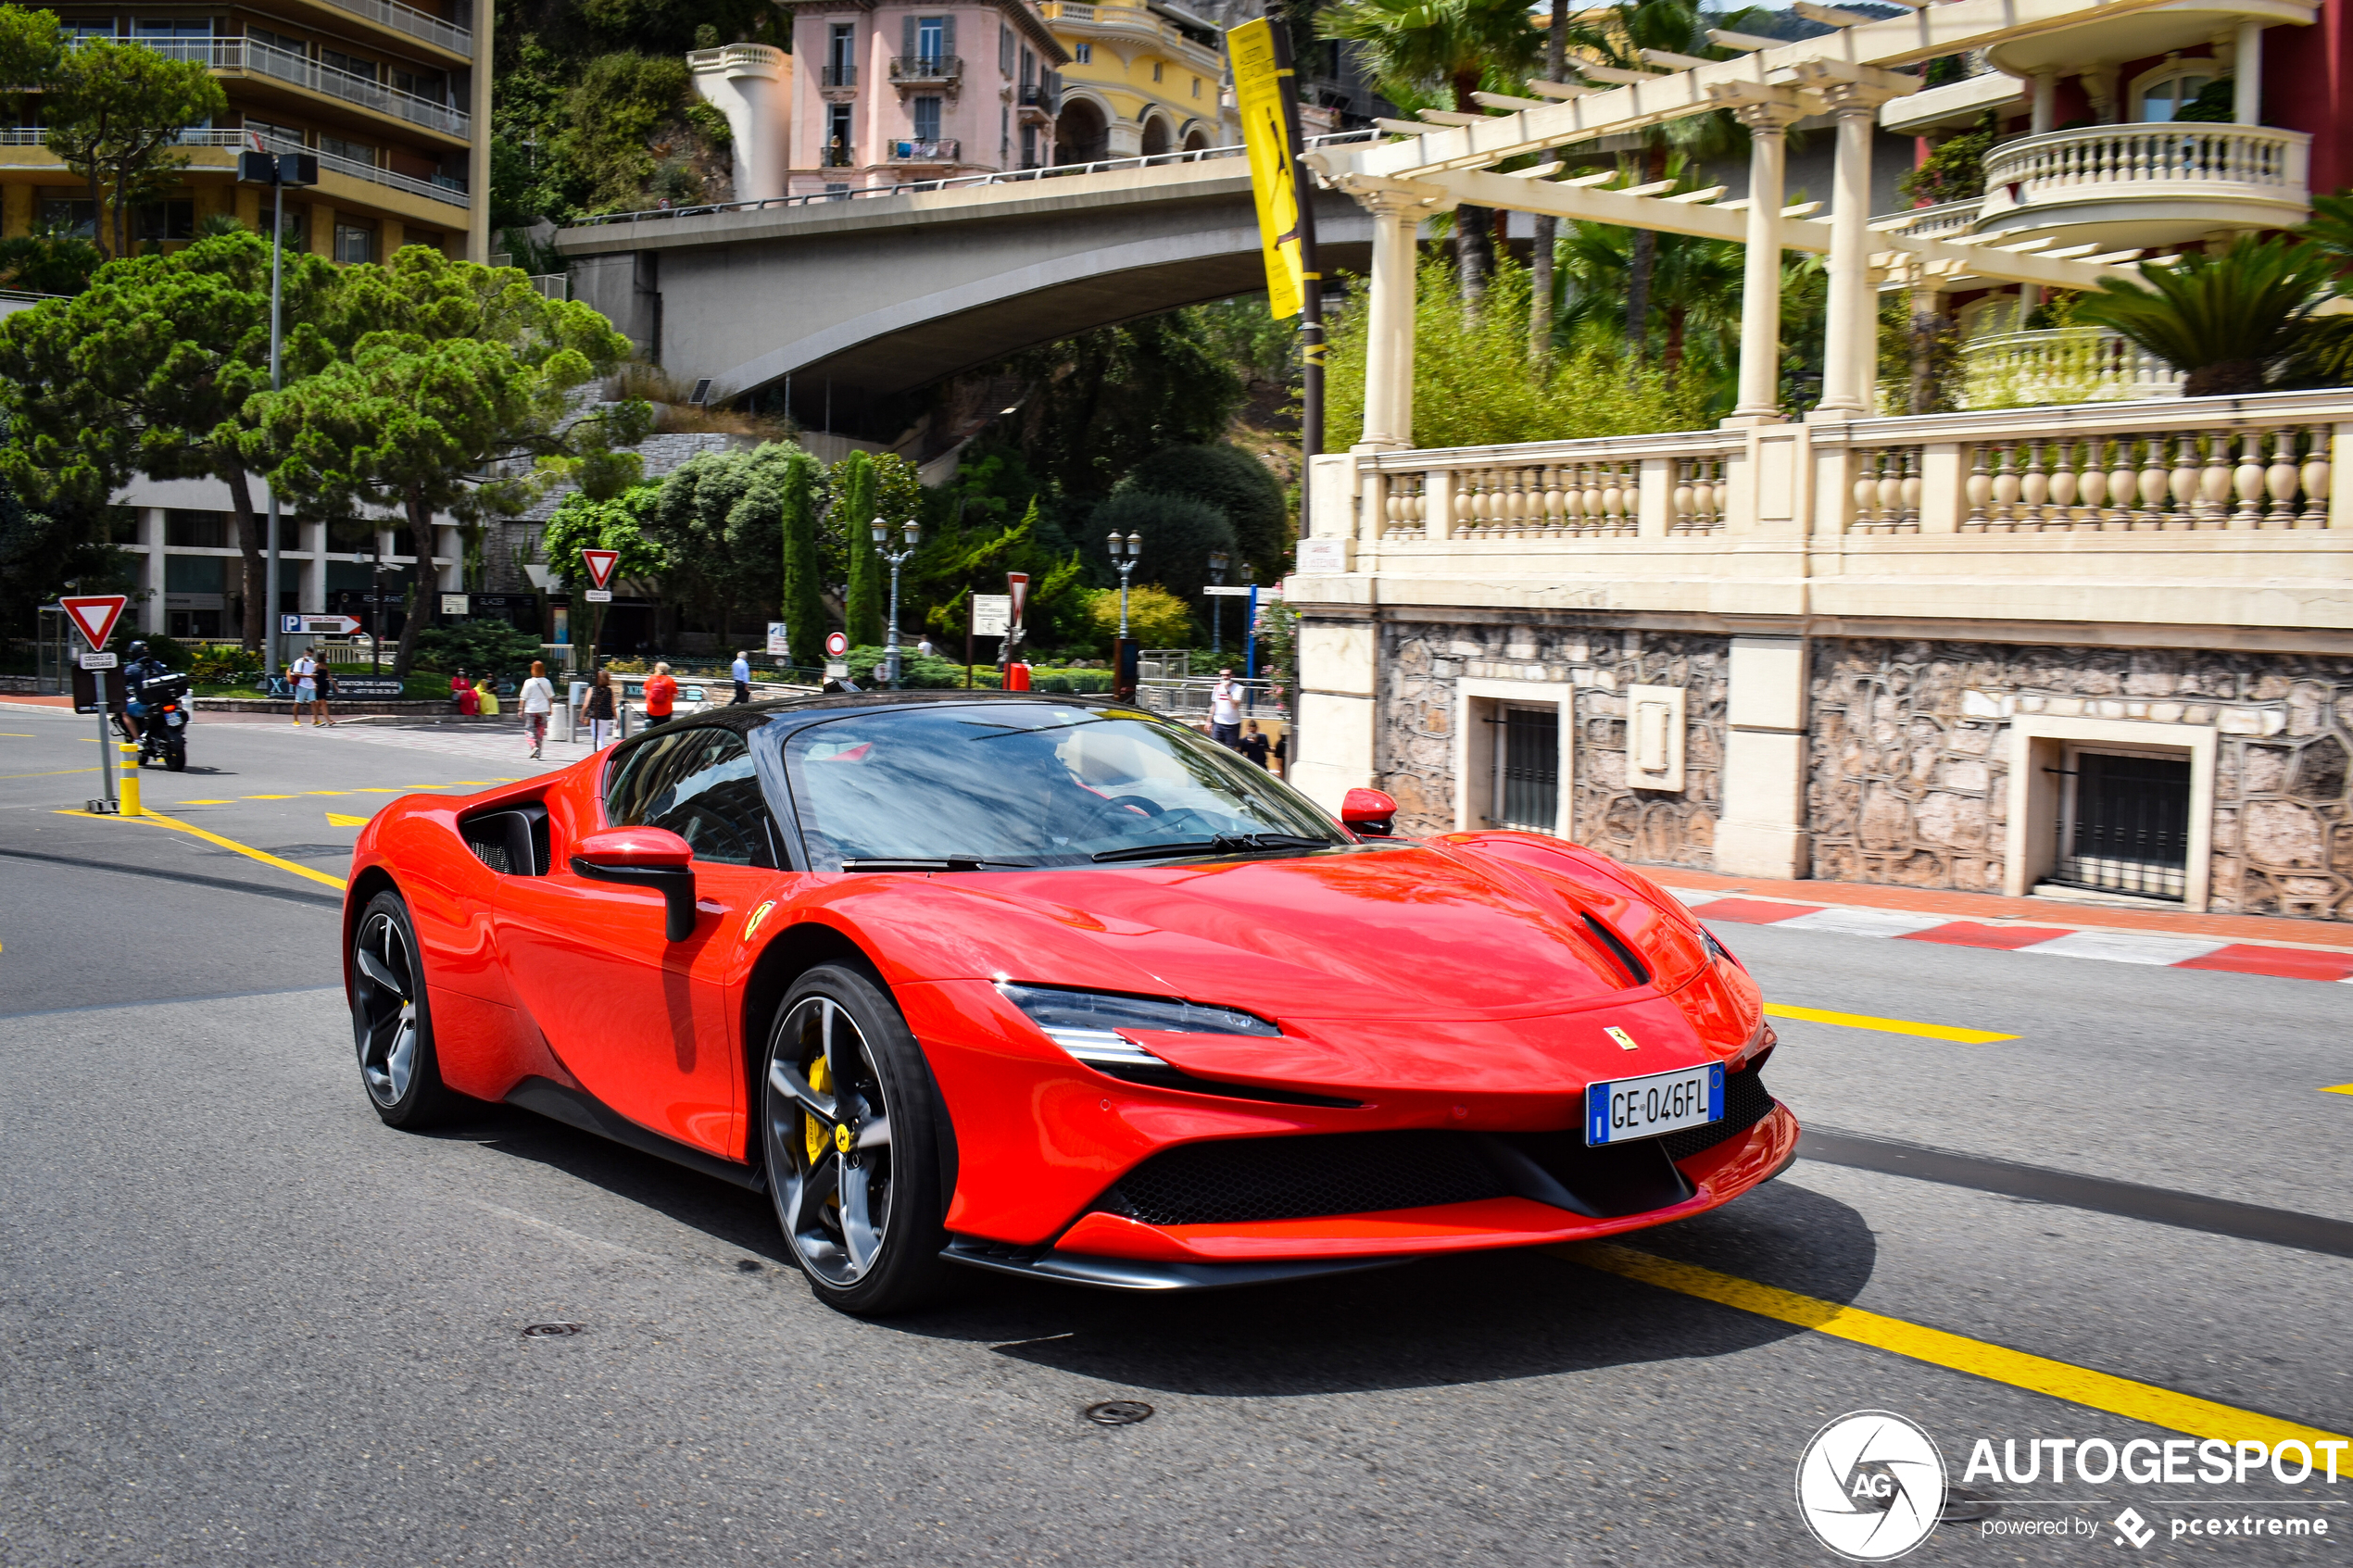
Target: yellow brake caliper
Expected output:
[813,1133]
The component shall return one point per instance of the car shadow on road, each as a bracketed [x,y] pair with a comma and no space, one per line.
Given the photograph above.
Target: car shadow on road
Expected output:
[1479,1318]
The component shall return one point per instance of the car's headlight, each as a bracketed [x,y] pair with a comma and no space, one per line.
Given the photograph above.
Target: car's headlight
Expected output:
[1085,1024]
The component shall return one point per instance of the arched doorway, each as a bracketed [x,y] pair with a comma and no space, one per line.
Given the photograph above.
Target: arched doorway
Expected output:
[1155,136]
[1196,138]
[1081,135]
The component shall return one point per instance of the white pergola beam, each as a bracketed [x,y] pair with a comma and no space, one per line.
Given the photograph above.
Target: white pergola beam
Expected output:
[1588,204]
[1951,29]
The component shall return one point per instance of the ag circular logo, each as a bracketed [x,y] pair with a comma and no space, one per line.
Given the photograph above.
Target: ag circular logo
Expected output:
[1870,1486]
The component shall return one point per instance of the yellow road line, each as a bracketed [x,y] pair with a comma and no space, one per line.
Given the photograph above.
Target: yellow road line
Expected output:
[2060,1380]
[207,803]
[55,774]
[2338,1089]
[245,849]
[1886,1025]
[266,797]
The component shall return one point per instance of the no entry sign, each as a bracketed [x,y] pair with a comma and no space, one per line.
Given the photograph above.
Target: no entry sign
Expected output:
[94,616]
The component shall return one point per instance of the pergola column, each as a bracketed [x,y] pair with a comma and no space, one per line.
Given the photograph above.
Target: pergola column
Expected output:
[2246,75]
[1850,335]
[1388,346]
[1767,123]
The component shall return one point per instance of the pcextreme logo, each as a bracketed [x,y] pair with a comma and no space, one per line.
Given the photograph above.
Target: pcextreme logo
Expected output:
[1870,1486]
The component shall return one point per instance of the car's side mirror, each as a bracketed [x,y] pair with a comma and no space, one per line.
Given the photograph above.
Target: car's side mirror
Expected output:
[652,858]
[1367,811]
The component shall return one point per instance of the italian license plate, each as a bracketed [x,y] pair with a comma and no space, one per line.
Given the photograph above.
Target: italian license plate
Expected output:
[1625,1108]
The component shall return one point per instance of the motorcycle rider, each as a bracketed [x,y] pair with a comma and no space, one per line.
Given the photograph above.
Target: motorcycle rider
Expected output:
[143,666]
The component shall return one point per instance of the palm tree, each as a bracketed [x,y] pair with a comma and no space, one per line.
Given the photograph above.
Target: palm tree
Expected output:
[2226,320]
[1421,46]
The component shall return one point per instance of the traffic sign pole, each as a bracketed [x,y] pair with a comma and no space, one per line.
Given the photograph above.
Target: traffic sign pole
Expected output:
[94,616]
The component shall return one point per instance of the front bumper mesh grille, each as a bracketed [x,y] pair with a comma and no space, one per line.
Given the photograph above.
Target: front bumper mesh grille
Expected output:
[1236,1181]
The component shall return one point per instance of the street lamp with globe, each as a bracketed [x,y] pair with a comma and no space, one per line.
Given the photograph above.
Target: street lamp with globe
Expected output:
[1124,552]
[914,534]
[1218,562]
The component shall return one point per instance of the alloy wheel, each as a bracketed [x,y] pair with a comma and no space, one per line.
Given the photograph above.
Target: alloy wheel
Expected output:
[828,1132]
[384,1015]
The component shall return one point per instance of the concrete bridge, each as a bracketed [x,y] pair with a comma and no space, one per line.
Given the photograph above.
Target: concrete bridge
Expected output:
[859,298]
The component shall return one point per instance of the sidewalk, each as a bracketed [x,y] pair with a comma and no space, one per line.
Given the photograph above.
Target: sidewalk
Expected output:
[2302,950]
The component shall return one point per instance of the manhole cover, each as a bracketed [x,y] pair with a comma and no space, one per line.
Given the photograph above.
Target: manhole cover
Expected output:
[549,1330]
[1119,1413]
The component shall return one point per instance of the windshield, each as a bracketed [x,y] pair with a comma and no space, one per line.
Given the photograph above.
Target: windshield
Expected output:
[1020,784]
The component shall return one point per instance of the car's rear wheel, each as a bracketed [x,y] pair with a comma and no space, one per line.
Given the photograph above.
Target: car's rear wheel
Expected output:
[850,1128]
[391,1020]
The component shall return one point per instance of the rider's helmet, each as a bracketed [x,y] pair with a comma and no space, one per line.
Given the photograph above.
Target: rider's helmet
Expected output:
[138,650]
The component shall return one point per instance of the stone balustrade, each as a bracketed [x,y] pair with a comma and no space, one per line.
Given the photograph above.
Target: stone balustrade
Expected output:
[2063,365]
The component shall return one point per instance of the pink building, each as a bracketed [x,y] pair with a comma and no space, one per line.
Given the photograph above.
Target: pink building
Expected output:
[889,92]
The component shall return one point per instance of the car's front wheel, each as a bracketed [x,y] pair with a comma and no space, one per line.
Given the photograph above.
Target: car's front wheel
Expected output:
[851,1129]
[391,1020]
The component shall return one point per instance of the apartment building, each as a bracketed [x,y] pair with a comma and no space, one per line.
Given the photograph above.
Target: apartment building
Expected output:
[1143,80]
[393,98]
[886,93]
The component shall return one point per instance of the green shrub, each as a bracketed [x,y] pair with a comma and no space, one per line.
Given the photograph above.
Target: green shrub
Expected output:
[1237,484]
[476,645]
[1178,531]
[225,667]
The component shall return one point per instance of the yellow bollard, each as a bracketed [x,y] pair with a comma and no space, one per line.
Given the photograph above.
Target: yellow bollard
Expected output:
[130,806]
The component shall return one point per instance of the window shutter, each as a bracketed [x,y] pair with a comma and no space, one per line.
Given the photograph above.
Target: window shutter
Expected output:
[948,37]
[907,36]
[1005,49]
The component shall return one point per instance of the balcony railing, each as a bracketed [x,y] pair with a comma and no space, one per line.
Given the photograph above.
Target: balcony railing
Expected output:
[2068,365]
[837,76]
[244,54]
[413,22]
[2135,162]
[1940,221]
[439,187]
[2205,465]
[1045,96]
[837,156]
[926,67]
[933,151]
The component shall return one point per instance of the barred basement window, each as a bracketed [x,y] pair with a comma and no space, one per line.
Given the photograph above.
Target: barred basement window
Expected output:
[1527,769]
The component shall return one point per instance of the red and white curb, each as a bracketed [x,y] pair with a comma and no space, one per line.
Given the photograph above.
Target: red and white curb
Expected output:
[2116,946]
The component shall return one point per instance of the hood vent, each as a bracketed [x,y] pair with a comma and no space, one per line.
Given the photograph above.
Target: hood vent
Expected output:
[1617,944]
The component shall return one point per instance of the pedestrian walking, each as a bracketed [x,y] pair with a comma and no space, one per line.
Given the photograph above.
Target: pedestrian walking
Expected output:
[741,675]
[662,695]
[598,710]
[923,648]
[1253,745]
[538,701]
[319,718]
[1226,710]
[305,672]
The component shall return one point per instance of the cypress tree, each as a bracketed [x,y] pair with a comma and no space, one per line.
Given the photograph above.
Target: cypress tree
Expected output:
[855,492]
[804,602]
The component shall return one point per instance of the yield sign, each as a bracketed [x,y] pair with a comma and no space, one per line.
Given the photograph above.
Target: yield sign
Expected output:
[1017,584]
[601,564]
[94,616]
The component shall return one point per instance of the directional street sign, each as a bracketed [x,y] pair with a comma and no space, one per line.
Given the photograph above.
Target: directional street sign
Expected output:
[94,616]
[601,565]
[323,625]
[836,643]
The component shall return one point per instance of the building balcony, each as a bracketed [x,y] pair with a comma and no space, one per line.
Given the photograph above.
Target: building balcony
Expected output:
[2146,185]
[1041,100]
[837,156]
[2129,187]
[415,23]
[2070,365]
[837,76]
[245,57]
[935,151]
[439,188]
[926,70]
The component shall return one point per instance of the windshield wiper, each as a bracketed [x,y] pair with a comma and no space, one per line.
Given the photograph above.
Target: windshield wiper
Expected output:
[943,864]
[1223,844]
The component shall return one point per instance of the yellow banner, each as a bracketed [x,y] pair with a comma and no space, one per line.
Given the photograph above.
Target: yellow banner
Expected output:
[1274,177]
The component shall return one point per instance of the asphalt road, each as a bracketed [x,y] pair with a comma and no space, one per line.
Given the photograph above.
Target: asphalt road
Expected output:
[245,1322]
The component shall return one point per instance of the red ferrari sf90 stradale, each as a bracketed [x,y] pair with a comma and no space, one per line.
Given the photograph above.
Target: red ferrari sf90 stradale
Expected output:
[1052,985]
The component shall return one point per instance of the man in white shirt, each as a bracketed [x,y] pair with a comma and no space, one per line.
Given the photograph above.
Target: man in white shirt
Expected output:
[1226,710]
[308,674]
[538,701]
[741,675]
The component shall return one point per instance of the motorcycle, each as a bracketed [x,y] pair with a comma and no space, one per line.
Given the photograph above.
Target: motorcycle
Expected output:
[163,728]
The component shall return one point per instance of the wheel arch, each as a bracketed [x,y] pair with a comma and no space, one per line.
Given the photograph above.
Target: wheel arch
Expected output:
[795,950]
[371,881]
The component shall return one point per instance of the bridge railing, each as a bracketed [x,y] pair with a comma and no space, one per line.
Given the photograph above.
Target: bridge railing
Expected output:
[956,182]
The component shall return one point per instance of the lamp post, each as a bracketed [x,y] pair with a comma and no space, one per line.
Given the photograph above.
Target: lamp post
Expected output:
[276,171]
[1124,552]
[374,556]
[1217,562]
[914,534]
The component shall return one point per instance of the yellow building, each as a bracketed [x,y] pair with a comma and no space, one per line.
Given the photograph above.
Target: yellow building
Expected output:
[1143,80]
[393,98]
